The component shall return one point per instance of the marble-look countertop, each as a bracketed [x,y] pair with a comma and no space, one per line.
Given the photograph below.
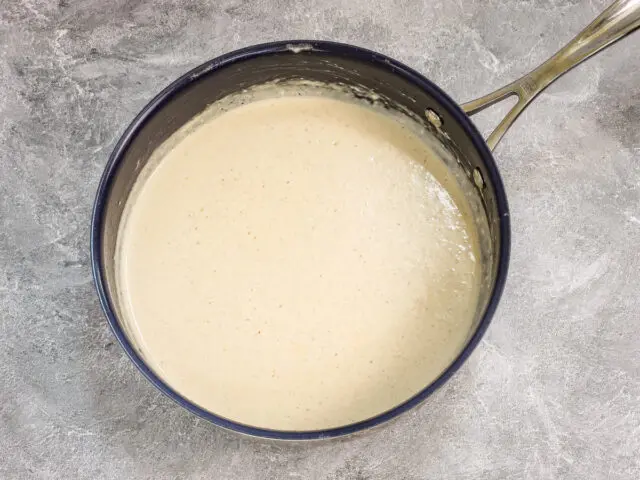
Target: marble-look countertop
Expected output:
[553,391]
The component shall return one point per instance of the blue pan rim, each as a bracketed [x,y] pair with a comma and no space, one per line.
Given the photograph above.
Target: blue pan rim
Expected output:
[332,48]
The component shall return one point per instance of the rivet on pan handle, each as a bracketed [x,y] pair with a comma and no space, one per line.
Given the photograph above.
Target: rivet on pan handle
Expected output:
[619,19]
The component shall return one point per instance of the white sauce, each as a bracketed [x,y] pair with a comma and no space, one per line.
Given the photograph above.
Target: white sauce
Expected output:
[298,263]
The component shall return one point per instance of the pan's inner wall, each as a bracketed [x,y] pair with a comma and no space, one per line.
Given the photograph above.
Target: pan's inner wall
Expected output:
[361,71]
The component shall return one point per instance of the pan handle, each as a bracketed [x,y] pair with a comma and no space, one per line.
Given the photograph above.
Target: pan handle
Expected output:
[619,19]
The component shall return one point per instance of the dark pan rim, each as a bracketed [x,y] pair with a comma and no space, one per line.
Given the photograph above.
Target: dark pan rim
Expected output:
[332,48]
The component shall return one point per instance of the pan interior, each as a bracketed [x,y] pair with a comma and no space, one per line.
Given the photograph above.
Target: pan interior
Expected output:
[141,159]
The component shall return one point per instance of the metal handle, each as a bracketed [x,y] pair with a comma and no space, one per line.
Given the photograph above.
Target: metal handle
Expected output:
[621,18]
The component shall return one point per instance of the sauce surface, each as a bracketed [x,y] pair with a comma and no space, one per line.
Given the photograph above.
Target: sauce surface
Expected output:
[298,263]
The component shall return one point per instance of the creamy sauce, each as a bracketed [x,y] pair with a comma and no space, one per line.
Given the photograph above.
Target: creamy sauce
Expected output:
[298,263]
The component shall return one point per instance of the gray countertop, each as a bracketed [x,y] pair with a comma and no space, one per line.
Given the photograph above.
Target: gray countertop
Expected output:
[553,391]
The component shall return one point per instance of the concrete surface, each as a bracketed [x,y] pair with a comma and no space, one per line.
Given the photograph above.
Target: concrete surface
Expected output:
[553,392]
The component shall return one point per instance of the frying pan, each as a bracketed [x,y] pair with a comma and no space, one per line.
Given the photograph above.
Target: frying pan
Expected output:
[400,87]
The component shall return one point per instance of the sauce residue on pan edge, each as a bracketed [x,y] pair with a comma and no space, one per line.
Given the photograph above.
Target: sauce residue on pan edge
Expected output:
[297,262]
